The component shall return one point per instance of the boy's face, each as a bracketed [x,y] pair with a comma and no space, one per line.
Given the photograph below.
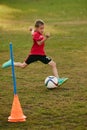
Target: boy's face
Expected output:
[40,29]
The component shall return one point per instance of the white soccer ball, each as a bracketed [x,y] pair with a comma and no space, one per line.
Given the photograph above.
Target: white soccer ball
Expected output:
[51,82]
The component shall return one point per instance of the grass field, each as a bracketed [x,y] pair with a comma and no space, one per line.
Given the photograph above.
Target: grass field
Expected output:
[64,108]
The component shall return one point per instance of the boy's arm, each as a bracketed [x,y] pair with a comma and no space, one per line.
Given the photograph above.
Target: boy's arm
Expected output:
[44,39]
[31,30]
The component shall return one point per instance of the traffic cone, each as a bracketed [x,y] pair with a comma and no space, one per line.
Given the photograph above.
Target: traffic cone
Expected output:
[16,112]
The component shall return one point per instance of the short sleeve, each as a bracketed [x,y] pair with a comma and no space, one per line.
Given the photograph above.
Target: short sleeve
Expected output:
[37,37]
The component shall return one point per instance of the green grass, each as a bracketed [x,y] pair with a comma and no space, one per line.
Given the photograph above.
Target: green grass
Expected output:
[64,108]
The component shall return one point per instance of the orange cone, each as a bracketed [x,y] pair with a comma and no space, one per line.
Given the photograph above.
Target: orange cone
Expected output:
[16,112]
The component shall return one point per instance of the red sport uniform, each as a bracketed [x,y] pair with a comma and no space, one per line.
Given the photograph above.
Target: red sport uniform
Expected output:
[37,49]
[37,52]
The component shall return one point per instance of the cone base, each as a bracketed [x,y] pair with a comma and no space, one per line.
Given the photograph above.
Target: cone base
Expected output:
[10,119]
[16,111]
[17,120]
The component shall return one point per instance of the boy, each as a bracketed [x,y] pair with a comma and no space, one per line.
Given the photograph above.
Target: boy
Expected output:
[37,52]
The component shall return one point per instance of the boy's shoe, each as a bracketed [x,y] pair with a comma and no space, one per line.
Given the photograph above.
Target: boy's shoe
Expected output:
[62,81]
[7,64]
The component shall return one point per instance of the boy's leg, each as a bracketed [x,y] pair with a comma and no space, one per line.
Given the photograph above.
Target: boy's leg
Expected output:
[47,60]
[19,64]
[54,68]
[30,59]
[55,72]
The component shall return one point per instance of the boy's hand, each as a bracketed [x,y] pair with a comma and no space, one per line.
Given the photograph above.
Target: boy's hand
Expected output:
[47,35]
[30,29]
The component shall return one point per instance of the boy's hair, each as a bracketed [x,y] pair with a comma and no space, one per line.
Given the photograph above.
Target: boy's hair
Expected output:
[38,23]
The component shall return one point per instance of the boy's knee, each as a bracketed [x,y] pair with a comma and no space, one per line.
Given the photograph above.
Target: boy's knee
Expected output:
[53,64]
[23,66]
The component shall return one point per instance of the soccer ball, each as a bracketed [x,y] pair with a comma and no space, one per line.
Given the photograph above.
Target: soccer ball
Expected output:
[51,82]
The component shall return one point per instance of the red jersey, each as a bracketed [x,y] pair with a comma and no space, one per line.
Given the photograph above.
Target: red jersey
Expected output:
[37,49]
